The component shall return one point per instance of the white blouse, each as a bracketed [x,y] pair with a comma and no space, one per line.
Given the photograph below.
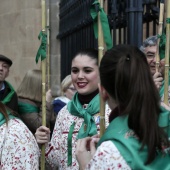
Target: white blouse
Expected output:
[107,157]
[57,150]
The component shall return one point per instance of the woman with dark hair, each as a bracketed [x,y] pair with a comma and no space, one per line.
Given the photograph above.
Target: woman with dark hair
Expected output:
[133,139]
[18,147]
[79,118]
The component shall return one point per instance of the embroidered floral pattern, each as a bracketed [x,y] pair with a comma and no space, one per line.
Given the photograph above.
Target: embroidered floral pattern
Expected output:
[18,147]
[130,133]
[107,157]
[56,151]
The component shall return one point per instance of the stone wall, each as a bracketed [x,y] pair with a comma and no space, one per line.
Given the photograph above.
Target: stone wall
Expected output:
[20,25]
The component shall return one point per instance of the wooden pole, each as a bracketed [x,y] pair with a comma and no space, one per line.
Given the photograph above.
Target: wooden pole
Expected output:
[161,13]
[100,54]
[43,67]
[48,49]
[167,52]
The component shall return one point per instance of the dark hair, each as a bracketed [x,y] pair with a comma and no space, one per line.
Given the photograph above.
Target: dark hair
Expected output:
[3,111]
[92,53]
[131,86]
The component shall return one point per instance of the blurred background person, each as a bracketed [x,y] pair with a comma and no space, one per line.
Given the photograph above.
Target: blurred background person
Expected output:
[67,92]
[8,95]
[149,48]
[30,101]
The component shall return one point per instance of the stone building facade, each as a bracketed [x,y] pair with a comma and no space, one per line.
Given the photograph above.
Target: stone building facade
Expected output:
[20,24]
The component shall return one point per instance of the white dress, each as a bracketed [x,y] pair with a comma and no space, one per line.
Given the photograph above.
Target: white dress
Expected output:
[107,157]
[56,151]
[18,147]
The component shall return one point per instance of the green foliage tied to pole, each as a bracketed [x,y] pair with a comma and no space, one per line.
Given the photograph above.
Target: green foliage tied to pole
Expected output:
[42,49]
[95,8]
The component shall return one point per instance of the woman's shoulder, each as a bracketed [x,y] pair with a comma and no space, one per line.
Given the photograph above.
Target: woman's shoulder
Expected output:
[18,145]
[108,156]
[64,114]
[62,98]
[16,128]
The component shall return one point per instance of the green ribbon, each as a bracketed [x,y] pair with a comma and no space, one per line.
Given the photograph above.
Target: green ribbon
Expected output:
[168,20]
[162,44]
[10,95]
[27,108]
[42,49]
[88,127]
[69,143]
[104,23]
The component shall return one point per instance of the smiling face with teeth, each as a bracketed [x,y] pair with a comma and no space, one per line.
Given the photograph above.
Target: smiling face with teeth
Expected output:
[85,74]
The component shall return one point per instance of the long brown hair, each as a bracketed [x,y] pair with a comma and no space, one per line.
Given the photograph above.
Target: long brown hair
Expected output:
[3,111]
[31,86]
[125,74]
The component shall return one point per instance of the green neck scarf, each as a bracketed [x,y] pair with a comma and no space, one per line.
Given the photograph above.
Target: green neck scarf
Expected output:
[27,108]
[2,118]
[10,95]
[88,127]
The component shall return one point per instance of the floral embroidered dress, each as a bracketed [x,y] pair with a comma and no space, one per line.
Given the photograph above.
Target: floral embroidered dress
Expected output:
[107,157]
[57,149]
[18,147]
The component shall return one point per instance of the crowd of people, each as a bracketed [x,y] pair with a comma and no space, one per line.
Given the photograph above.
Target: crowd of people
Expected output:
[126,80]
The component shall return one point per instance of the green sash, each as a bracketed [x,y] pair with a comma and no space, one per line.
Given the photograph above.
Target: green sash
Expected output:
[128,145]
[88,127]
[164,120]
[26,108]
[9,96]
[2,118]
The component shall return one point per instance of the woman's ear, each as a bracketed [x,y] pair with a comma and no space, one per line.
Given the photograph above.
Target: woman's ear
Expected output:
[103,92]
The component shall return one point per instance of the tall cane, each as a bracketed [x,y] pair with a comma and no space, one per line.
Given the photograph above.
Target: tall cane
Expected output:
[167,53]
[102,32]
[43,67]
[100,54]
[48,48]
[161,13]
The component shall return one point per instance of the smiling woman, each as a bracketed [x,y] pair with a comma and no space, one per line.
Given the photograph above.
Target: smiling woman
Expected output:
[79,118]
[84,73]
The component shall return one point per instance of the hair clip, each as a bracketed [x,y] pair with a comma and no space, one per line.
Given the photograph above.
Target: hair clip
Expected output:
[128,57]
